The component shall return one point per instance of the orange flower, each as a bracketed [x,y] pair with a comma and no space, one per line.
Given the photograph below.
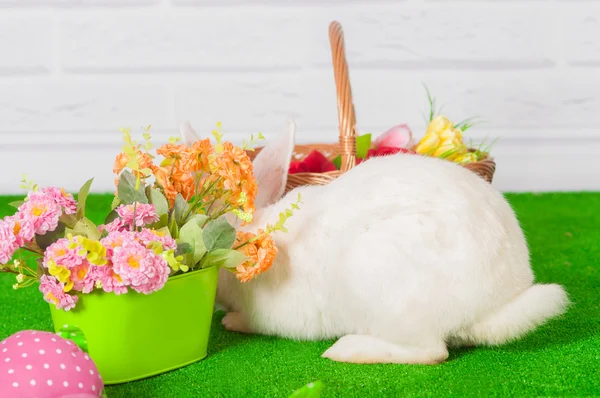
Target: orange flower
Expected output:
[174,182]
[144,162]
[120,163]
[261,254]
[172,151]
[199,156]
[234,167]
[176,175]
[250,189]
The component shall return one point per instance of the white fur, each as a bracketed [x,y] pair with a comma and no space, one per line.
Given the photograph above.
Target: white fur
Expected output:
[403,255]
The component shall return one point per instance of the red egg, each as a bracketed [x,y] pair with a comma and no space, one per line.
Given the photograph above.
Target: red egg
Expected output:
[44,365]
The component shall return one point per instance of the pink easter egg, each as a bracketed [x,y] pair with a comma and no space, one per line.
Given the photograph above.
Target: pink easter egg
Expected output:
[44,365]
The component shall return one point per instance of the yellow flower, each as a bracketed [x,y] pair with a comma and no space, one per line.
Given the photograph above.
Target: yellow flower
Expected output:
[439,123]
[92,249]
[175,262]
[468,157]
[62,274]
[442,139]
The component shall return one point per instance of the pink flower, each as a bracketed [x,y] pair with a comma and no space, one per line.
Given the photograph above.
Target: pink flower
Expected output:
[115,239]
[399,136]
[109,280]
[144,214]
[139,267]
[69,263]
[60,196]
[84,277]
[145,236]
[115,225]
[23,228]
[106,275]
[54,293]
[8,242]
[81,278]
[60,253]
[42,211]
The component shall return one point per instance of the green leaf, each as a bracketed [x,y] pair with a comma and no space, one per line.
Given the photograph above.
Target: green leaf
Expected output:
[181,208]
[183,248]
[16,204]
[218,234]
[110,217]
[173,228]
[431,100]
[162,222]
[43,241]
[159,201]
[82,198]
[86,228]
[127,192]
[226,258]
[68,219]
[337,162]
[363,144]
[311,390]
[116,202]
[191,234]
[200,219]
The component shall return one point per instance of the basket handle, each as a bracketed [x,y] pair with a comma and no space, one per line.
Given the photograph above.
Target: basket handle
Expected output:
[346,113]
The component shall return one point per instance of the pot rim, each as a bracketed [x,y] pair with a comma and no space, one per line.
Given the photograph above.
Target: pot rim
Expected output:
[190,273]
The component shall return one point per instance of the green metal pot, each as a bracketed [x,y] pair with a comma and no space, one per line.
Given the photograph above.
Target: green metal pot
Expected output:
[133,336]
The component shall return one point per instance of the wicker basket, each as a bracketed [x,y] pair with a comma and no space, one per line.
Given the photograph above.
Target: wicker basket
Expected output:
[346,147]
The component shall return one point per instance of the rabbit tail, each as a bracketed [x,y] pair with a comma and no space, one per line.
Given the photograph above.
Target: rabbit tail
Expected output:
[524,313]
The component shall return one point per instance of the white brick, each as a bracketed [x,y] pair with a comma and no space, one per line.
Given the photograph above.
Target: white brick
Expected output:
[547,166]
[75,3]
[439,36]
[26,45]
[528,103]
[514,100]
[582,27]
[259,3]
[64,106]
[65,167]
[244,102]
[283,38]
[210,40]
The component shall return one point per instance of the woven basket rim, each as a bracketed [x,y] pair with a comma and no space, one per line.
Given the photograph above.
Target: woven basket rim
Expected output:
[486,159]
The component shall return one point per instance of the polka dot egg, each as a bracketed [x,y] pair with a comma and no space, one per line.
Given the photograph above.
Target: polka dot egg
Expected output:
[44,365]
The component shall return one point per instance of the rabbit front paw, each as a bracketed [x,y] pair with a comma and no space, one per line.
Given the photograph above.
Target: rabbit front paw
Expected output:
[236,322]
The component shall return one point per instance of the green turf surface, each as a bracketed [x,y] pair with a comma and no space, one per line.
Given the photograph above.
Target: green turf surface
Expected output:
[561,358]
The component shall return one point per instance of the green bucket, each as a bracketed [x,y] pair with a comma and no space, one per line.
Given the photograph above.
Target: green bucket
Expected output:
[133,336]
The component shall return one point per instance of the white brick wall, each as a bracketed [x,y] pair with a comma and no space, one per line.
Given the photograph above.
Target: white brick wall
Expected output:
[73,71]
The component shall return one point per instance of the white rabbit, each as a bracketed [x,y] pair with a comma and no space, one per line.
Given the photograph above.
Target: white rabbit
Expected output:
[400,257]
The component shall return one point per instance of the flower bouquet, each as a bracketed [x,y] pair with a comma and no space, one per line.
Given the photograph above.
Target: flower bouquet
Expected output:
[141,286]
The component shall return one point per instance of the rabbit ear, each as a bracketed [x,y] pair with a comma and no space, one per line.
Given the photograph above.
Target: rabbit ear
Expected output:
[188,135]
[271,167]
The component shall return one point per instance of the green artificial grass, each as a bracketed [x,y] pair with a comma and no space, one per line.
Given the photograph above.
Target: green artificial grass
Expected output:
[561,358]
